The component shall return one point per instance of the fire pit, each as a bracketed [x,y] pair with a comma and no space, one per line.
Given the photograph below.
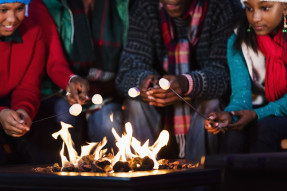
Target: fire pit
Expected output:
[141,173]
[22,178]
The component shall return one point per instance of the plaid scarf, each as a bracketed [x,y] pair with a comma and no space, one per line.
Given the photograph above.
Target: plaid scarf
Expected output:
[97,40]
[177,62]
[276,65]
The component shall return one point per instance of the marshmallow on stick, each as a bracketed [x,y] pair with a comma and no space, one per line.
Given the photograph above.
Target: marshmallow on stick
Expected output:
[97,99]
[75,109]
[164,84]
[134,92]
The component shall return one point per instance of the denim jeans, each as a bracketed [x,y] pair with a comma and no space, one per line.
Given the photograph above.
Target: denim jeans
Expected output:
[261,136]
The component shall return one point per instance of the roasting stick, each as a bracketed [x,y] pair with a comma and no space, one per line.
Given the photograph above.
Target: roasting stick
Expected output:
[75,109]
[165,84]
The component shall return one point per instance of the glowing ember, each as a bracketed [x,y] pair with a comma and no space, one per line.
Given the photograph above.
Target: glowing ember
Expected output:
[164,83]
[75,109]
[134,92]
[97,99]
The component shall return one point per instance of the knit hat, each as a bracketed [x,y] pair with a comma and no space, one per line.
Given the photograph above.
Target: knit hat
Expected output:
[15,1]
[283,1]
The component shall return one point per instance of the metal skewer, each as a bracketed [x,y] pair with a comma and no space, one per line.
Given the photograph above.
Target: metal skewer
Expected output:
[166,85]
[93,109]
[43,119]
[191,106]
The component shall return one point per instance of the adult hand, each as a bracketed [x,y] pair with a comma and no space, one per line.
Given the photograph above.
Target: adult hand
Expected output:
[149,83]
[217,122]
[160,98]
[244,118]
[15,123]
[78,89]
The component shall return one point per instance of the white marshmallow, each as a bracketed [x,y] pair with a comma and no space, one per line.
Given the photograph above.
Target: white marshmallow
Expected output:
[164,84]
[97,99]
[134,92]
[75,109]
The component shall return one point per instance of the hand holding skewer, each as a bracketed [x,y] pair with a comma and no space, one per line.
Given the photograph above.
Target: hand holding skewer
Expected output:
[215,126]
[158,98]
[76,109]
[151,93]
[77,90]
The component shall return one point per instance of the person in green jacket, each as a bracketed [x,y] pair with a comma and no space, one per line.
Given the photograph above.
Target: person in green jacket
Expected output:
[93,33]
[255,119]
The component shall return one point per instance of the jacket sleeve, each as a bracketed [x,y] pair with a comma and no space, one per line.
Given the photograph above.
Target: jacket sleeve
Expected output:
[57,66]
[277,108]
[27,94]
[211,76]
[241,96]
[138,57]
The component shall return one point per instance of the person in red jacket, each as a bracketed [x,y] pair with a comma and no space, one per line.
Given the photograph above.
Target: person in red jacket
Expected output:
[43,148]
[22,58]
[22,62]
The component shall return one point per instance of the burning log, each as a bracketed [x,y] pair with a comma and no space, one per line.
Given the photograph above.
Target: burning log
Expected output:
[141,164]
[178,164]
[121,166]
[147,164]
[69,167]
[102,166]
[85,163]
[49,169]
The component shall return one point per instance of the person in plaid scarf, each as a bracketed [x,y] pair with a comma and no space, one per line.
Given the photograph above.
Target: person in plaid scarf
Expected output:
[183,41]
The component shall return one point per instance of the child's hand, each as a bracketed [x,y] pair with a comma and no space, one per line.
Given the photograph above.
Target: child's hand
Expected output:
[244,118]
[146,86]
[15,123]
[160,98]
[77,90]
[217,122]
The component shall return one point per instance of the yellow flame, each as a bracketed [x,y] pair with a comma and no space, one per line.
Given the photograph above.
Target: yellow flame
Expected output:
[124,144]
[152,151]
[63,158]
[65,135]
[142,151]
[97,152]
[160,142]
[85,150]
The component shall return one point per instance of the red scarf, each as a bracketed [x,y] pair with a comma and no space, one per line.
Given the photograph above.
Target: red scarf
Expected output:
[177,62]
[276,65]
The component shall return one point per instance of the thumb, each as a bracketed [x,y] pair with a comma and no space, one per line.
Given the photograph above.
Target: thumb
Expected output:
[235,113]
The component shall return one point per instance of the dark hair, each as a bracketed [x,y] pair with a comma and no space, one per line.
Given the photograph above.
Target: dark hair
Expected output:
[249,38]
